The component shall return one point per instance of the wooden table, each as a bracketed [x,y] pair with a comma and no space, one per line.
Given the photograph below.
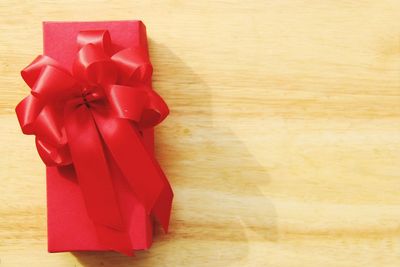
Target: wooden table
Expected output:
[283,143]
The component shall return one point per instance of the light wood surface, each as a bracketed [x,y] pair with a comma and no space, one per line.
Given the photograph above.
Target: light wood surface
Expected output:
[283,143]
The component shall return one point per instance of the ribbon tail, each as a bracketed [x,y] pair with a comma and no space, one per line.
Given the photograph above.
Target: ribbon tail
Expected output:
[94,178]
[146,108]
[163,205]
[135,162]
[114,240]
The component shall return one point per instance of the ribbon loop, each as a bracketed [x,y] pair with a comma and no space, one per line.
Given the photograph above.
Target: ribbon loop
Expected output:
[100,38]
[31,73]
[48,127]
[156,110]
[93,67]
[127,102]
[53,84]
[52,155]
[27,111]
[133,65]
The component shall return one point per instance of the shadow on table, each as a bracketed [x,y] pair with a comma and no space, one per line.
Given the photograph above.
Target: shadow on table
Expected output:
[230,178]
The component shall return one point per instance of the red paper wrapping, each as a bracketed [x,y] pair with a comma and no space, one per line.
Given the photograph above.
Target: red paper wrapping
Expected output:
[104,187]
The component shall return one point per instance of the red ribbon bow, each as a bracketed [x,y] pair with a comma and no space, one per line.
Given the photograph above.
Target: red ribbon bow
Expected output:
[95,113]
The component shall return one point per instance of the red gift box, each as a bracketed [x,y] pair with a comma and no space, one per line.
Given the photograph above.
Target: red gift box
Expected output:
[72,207]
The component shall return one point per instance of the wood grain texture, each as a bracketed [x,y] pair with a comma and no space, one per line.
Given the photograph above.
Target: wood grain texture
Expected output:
[283,144]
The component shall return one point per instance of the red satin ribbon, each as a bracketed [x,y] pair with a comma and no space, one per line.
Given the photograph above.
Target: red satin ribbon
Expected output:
[96,112]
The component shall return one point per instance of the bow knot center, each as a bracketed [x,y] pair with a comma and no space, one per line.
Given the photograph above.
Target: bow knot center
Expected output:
[87,96]
[90,95]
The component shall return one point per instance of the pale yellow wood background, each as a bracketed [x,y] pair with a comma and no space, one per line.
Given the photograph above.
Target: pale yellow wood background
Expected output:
[283,144]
